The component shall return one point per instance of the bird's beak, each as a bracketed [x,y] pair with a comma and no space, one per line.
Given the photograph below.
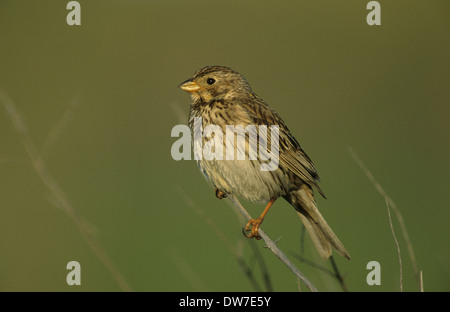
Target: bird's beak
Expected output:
[189,86]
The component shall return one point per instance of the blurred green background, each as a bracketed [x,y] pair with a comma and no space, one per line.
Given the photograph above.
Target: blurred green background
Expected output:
[337,82]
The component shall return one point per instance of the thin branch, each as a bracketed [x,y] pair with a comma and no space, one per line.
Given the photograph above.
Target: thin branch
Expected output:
[398,246]
[274,248]
[56,189]
[397,213]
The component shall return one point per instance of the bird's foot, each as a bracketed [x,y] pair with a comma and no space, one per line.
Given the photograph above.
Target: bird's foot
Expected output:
[220,194]
[252,226]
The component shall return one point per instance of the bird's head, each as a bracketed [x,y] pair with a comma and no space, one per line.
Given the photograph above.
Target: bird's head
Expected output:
[216,83]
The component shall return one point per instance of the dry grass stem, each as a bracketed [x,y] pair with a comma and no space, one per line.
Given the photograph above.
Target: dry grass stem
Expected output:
[57,130]
[55,189]
[397,214]
[398,246]
[421,281]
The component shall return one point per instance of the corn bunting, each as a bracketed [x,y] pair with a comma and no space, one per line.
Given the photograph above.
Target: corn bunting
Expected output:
[222,97]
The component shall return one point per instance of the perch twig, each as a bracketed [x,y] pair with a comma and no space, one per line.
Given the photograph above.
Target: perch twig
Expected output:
[274,248]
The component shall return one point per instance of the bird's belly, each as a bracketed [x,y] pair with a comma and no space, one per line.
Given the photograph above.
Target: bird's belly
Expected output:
[245,178]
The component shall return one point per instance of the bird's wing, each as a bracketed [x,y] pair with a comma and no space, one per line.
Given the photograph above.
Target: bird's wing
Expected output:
[296,160]
[291,155]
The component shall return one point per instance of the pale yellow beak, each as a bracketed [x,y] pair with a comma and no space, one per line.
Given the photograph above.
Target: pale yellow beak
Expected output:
[189,86]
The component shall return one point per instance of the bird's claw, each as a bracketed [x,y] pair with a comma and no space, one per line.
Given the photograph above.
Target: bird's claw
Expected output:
[252,226]
[220,194]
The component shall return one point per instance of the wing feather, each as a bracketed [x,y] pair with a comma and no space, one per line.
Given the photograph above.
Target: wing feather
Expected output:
[291,156]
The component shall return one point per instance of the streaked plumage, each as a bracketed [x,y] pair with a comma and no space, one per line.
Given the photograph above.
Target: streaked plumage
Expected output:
[223,97]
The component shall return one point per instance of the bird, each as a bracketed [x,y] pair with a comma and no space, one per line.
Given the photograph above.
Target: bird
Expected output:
[221,96]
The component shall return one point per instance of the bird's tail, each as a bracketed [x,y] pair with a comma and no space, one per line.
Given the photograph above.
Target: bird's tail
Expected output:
[319,230]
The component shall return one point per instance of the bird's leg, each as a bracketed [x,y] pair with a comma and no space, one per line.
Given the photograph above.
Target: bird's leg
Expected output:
[254,224]
[220,194]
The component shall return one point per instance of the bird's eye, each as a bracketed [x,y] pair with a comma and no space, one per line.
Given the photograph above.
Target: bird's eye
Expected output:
[210,81]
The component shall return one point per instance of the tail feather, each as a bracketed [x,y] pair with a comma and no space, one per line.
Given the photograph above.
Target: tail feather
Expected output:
[318,238]
[321,233]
